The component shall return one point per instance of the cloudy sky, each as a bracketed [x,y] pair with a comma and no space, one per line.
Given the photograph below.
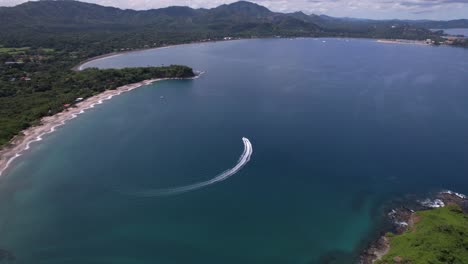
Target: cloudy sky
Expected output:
[380,9]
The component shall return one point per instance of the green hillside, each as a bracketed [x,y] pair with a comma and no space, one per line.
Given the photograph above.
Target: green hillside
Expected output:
[440,236]
[64,24]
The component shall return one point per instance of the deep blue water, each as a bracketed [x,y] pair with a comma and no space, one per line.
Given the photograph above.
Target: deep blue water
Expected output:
[457,31]
[339,128]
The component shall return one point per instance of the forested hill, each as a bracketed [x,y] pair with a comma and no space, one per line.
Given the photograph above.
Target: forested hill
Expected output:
[63,24]
[41,41]
[237,17]
[76,15]
[63,16]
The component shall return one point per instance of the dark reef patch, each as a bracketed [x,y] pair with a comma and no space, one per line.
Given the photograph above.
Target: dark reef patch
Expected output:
[359,200]
[335,257]
[6,255]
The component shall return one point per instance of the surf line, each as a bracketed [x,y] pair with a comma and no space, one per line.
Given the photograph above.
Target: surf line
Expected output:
[243,160]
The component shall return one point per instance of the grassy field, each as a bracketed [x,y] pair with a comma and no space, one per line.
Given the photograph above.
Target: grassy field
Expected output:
[439,236]
[13,50]
[47,50]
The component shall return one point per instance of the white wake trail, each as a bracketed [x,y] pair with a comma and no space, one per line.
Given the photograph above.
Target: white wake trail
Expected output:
[243,160]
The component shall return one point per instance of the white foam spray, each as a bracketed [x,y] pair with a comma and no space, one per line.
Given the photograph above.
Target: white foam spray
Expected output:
[432,203]
[243,160]
[459,195]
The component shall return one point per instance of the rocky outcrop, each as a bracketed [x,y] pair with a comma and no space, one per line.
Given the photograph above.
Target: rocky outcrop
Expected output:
[403,218]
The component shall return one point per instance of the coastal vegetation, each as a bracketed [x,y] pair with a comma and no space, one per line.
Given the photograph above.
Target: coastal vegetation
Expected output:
[40,48]
[41,41]
[13,51]
[439,235]
[75,26]
[28,93]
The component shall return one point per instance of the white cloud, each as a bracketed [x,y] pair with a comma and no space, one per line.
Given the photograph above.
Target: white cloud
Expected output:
[434,9]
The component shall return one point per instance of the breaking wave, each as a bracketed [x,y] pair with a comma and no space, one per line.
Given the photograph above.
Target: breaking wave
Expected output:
[243,160]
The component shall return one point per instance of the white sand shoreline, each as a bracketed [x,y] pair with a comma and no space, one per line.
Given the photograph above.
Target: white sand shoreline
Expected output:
[403,41]
[81,65]
[22,142]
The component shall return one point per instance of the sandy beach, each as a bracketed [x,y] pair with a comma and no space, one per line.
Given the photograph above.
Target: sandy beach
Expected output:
[402,41]
[22,142]
[81,65]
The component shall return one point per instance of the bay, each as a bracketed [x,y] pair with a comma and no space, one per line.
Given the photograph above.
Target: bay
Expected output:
[339,127]
[457,31]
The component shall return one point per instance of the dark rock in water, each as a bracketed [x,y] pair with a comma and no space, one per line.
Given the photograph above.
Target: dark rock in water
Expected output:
[455,198]
[375,250]
[401,219]
[6,255]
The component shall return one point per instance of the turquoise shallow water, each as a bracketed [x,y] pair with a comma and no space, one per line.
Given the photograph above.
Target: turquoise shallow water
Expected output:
[338,128]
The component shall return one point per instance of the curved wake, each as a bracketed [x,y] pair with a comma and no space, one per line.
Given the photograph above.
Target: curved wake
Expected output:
[243,160]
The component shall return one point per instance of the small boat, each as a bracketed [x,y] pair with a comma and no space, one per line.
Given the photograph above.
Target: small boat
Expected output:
[161,97]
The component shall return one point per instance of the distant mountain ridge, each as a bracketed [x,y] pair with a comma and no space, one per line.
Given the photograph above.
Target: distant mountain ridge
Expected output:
[39,22]
[69,12]
[457,23]
[42,22]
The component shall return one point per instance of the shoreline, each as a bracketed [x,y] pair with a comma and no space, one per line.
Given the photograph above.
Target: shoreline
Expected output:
[48,124]
[403,218]
[79,66]
[403,41]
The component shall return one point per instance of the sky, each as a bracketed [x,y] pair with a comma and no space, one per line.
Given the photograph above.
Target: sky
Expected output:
[376,9]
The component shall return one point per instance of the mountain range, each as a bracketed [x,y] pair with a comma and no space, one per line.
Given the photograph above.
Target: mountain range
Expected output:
[40,22]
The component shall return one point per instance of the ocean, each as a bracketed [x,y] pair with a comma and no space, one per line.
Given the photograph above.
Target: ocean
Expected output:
[336,128]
